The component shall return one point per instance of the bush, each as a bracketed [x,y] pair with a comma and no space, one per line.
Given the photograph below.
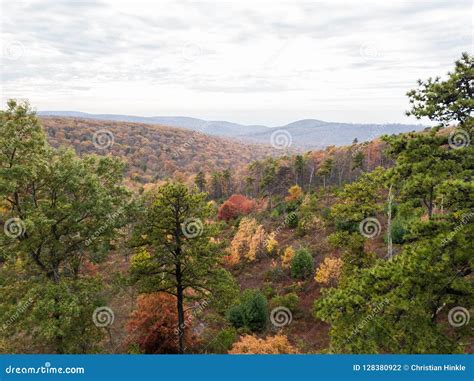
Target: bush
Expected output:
[251,312]
[222,340]
[287,257]
[248,344]
[292,220]
[275,274]
[236,205]
[399,230]
[289,301]
[302,264]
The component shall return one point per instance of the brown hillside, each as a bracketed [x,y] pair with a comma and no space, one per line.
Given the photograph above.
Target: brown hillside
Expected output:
[154,152]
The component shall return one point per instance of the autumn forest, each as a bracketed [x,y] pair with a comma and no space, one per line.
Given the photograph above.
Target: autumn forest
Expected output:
[120,237]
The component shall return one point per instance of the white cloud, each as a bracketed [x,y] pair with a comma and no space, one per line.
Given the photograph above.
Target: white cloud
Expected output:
[252,62]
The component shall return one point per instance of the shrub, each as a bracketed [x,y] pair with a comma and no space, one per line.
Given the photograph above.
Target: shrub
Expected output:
[249,241]
[275,274]
[249,344]
[152,326]
[236,205]
[289,301]
[294,193]
[235,316]
[399,230]
[251,312]
[287,257]
[302,264]
[222,340]
[329,271]
[292,220]
[271,244]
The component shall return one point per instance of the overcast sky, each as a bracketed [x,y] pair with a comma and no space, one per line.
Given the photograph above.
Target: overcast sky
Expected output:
[250,62]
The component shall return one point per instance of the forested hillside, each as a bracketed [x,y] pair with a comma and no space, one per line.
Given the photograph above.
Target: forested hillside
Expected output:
[358,249]
[152,152]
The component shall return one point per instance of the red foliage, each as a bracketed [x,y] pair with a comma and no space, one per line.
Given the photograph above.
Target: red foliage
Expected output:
[236,205]
[153,325]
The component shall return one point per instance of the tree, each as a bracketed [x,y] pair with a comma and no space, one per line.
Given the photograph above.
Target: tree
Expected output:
[329,271]
[248,242]
[407,304]
[152,325]
[325,169]
[200,181]
[61,212]
[448,100]
[302,264]
[236,205]
[182,260]
[422,165]
[287,257]
[251,311]
[294,193]
[271,244]
[216,185]
[250,344]
[299,170]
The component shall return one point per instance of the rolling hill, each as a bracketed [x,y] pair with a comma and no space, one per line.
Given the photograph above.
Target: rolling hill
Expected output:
[153,152]
[305,134]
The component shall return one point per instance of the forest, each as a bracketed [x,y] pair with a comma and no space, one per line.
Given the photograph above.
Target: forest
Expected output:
[127,242]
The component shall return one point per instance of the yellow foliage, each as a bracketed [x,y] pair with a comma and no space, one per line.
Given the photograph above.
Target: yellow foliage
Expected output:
[294,193]
[248,242]
[329,270]
[271,244]
[250,344]
[287,257]
[257,244]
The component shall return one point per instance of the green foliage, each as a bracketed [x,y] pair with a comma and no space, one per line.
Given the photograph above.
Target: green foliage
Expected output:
[391,308]
[289,301]
[226,291]
[302,264]
[291,220]
[403,305]
[399,230]
[251,312]
[446,100]
[275,274]
[174,231]
[222,341]
[67,212]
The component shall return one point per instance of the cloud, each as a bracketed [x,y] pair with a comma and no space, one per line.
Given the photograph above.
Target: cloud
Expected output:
[239,61]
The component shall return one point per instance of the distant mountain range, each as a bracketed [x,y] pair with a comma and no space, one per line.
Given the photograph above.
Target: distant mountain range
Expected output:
[306,133]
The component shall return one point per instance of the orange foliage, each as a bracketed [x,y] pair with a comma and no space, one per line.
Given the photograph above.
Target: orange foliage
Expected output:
[236,205]
[154,152]
[153,325]
[250,344]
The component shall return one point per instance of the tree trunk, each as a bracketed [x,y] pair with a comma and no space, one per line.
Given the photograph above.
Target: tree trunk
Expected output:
[180,302]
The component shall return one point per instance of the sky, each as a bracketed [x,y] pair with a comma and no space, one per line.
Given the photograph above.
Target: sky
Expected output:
[250,62]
